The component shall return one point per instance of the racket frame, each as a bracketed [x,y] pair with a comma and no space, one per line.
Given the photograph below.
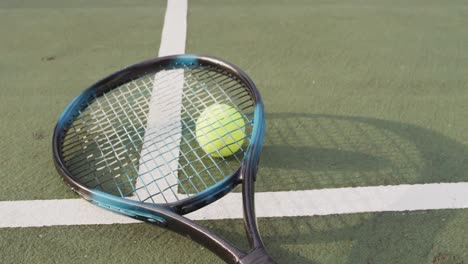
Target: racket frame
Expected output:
[170,215]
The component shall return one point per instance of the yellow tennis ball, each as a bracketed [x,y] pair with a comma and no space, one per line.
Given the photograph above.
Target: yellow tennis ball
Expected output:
[220,130]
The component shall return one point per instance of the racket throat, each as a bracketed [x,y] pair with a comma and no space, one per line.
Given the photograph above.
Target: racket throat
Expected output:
[257,256]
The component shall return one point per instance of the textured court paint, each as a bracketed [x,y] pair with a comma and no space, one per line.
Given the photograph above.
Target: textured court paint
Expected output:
[269,204]
[388,237]
[401,64]
[403,61]
[158,124]
[339,78]
[51,51]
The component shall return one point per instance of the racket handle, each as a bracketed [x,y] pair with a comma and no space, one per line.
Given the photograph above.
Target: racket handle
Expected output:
[258,256]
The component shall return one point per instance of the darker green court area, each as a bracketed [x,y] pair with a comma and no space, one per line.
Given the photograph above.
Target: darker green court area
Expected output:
[413,237]
[51,51]
[357,93]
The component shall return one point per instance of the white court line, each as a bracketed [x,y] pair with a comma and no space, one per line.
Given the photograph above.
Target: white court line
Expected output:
[155,165]
[174,31]
[268,204]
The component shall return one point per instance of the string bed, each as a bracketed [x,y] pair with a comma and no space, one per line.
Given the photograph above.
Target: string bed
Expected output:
[139,140]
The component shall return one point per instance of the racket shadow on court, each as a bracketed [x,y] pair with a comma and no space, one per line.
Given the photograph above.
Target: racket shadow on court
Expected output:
[314,151]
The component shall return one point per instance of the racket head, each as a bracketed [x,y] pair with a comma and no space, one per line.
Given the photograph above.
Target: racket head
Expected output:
[224,78]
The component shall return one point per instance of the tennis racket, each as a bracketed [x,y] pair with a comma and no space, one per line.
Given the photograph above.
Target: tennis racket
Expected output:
[129,144]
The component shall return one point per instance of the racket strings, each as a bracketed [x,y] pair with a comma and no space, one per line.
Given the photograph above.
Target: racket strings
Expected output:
[140,108]
[112,147]
[190,164]
[142,111]
[75,143]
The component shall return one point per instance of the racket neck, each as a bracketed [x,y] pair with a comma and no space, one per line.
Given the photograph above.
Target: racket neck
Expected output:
[218,245]
[257,256]
[250,220]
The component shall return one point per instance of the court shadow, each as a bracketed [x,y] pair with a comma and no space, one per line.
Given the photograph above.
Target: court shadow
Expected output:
[319,159]
[314,151]
[278,242]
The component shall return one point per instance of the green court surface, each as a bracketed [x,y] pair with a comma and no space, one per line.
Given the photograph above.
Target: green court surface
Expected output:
[417,237]
[357,93]
[51,53]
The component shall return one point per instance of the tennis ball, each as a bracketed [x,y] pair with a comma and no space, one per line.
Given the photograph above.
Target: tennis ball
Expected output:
[220,130]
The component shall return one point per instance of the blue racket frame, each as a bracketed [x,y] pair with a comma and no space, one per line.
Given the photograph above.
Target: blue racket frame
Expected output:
[169,215]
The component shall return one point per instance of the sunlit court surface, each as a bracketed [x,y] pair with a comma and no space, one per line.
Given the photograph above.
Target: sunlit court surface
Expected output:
[365,152]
